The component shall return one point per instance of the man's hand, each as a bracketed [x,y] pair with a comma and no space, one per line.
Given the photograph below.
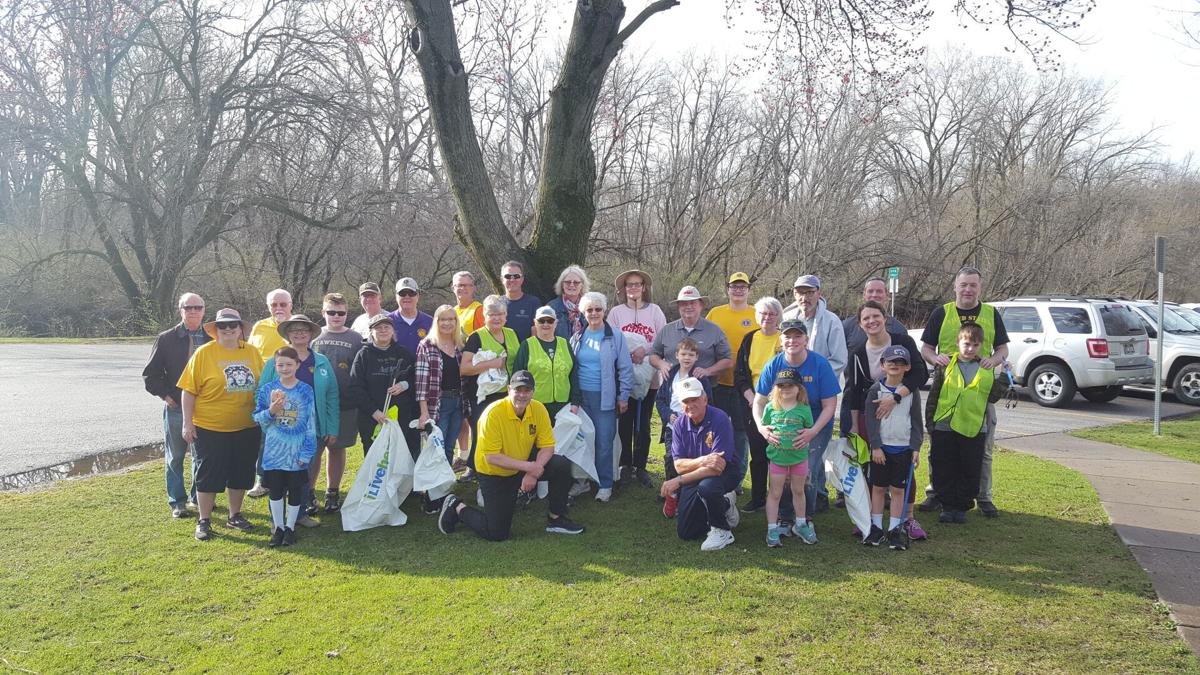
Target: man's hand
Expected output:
[664,371]
[699,373]
[803,438]
[877,456]
[749,395]
[189,432]
[528,483]
[941,360]
[171,402]
[714,461]
[768,434]
[670,487]
[990,362]
[638,356]
[886,404]
[536,470]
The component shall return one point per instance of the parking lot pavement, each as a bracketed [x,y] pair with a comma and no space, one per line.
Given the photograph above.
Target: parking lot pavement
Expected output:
[1029,418]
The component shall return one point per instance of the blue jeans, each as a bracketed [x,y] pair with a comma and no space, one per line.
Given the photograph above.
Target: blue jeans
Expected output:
[174,449]
[606,433]
[450,419]
[816,475]
[703,505]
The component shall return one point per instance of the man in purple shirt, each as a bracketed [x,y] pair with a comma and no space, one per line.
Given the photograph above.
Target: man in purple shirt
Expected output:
[410,324]
[709,465]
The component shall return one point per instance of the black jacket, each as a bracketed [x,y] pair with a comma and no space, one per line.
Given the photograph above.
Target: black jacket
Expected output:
[374,370]
[858,376]
[743,379]
[168,357]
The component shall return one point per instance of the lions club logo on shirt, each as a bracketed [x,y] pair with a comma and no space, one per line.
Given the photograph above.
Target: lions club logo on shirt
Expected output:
[745,323]
[421,332]
[532,429]
[708,440]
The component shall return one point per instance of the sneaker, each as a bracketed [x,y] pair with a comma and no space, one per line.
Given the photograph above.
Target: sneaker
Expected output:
[333,501]
[946,517]
[306,520]
[671,505]
[732,515]
[644,479]
[753,506]
[960,517]
[179,512]
[717,539]
[914,530]
[448,515]
[203,530]
[468,476]
[806,532]
[432,506]
[238,522]
[191,504]
[563,525]
[773,540]
[276,538]
[840,502]
[258,490]
[931,503]
[603,495]
[988,509]
[875,537]
[580,487]
[289,537]
[311,509]
[896,539]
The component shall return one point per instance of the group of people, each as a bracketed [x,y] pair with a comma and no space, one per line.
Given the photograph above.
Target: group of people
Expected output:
[740,388]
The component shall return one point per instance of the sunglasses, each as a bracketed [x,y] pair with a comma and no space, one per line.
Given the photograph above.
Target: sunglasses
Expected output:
[571,282]
[335,312]
[192,308]
[546,320]
[228,325]
[513,276]
[406,294]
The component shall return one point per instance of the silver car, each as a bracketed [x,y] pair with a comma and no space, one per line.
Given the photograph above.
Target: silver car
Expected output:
[1181,347]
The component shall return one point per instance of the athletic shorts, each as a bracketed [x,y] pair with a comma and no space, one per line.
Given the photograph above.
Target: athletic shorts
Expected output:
[893,472]
[226,459]
[347,430]
[798,470]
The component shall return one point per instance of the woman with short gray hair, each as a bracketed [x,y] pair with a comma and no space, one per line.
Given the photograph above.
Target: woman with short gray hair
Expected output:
[572,285]
[605,374]
[758,347]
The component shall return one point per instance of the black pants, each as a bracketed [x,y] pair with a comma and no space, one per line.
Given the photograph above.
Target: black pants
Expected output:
[633,428]
[494,522]
[956,462]
[477,408]
[758,465]
[290,484]
[366,429]
[668,462]
[732,403]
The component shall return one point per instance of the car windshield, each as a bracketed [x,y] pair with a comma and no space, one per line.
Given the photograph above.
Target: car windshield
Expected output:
[1187,315]
[1175,324]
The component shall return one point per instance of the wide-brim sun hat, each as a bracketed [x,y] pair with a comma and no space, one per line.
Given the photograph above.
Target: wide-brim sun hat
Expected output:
[225,315]
[646,283]
[298,320]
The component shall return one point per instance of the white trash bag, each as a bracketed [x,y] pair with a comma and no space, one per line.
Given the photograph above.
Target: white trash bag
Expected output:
[384,481]
[575,439]
[841,461]
[432,474]
[643,373]
[491,380]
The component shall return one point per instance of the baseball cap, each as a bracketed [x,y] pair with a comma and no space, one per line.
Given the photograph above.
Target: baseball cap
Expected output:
[378,319]
[369,287]
[688,387]
[809,280]
[688,293]
[793,324]
[521,378]
[739,276]
[545,311]
[895,353]
[787,376]
[407,284]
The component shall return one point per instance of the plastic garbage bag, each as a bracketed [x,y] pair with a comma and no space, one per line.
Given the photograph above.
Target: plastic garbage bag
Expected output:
[575,439]
[432,474]
[383,482]
[643,373]
[841,461]
[491,380]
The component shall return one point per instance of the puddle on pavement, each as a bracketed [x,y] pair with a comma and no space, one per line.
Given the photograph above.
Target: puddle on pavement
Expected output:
[84,466]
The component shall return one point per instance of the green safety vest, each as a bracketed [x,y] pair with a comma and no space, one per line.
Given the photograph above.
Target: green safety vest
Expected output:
[964,403]
[553,378]
[948,337]
[488,343]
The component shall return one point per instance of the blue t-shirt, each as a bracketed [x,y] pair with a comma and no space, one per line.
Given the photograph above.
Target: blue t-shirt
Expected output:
[820,382]
[588,359]
[520,315]
[289,440]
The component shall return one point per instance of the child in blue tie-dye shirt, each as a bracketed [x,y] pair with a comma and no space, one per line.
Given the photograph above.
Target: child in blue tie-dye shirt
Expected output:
[285,410]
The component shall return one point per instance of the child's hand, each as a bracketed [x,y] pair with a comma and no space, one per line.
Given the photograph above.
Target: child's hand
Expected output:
[277,398]
[877,456]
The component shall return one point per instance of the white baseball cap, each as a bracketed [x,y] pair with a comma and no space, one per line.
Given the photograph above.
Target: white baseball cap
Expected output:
[688,387]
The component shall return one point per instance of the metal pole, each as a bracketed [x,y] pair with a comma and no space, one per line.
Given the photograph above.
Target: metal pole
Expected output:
[1160,248]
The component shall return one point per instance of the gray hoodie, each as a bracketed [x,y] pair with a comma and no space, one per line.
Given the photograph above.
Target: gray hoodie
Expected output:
[825,334]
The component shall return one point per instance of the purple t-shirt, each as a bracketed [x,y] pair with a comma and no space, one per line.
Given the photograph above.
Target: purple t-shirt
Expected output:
[714,433]
[409,335]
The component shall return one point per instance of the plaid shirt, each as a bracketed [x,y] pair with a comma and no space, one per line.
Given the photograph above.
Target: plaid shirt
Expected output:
[428,386]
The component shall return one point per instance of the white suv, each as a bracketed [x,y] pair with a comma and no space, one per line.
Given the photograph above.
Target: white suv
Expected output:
[1181,348]
[1060,344]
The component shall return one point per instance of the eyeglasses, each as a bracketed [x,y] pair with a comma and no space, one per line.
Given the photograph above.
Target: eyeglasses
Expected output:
[513,276]
[571,282]
[192,308]
[228,325]
[634,284]
[335,312]
[590,310]
[281,304]
[800,291]
[546,320]
[406,293]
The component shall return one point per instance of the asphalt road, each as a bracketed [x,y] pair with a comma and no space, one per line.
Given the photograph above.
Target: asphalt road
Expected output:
[62,402]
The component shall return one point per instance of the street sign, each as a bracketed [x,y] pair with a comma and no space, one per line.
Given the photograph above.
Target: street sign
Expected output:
[893,273]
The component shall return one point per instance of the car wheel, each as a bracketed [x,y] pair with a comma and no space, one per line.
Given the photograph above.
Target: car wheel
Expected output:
[1051,385]
[1101,394]
[1187,384]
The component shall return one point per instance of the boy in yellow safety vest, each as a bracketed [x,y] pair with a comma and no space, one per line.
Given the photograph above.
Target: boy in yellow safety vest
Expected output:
[955,416]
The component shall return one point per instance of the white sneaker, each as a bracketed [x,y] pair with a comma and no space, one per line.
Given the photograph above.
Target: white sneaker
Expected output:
[717,539]
[581,487]
[258,490]
[479,498]
[732,515]
[603,494]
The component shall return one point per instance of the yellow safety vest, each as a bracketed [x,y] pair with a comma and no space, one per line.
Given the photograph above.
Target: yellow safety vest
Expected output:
[948,337]
[553,378]
[964,403]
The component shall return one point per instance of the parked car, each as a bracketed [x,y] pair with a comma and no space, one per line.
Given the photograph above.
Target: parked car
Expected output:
[1181,348]
[1063,344]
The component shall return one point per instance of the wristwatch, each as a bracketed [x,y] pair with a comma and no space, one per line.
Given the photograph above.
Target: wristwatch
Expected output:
[897,397]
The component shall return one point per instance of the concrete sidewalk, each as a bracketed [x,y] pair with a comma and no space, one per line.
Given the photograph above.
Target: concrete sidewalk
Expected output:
[1153,502]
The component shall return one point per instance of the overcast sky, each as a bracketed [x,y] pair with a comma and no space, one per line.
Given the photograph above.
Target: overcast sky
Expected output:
[1132,45]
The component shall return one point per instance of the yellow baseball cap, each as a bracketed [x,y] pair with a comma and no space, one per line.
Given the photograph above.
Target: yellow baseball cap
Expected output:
[739,276]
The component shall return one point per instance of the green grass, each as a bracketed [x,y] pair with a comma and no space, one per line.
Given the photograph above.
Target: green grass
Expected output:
[66,340]
[1180,438]
[95,576]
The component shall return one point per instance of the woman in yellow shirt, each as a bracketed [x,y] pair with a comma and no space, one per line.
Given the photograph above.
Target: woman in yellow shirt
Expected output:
[758,347]
[218,385]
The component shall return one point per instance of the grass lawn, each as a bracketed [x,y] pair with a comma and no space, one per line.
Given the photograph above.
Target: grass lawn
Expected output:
[1180,438]
[95,576]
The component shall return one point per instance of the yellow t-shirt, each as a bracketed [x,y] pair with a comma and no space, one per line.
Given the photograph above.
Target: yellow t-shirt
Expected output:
[763,348]
[223,382]
[735,325]
[265,338]
[500,430]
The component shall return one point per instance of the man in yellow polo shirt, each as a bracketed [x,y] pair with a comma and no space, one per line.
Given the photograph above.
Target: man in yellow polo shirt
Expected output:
[265,335]
[506,461]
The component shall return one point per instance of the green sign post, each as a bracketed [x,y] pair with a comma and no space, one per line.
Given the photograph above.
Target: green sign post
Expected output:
[893,272]
[893,275]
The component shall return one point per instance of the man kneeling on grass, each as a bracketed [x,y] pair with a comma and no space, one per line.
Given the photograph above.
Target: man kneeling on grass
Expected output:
[709,469]
[506,460]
